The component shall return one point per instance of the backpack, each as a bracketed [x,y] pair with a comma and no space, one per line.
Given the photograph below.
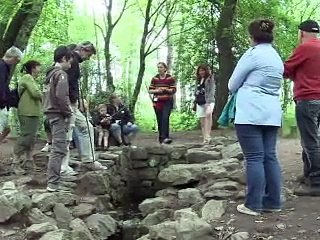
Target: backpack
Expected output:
[14,98]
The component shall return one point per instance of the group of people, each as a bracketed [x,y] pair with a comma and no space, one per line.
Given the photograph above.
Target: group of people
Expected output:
[58,100]
[256,85]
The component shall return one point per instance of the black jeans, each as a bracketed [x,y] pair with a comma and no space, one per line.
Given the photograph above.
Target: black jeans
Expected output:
[163,120]
[308,118]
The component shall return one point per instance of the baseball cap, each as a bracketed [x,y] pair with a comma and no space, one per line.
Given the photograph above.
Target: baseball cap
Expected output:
[309,26]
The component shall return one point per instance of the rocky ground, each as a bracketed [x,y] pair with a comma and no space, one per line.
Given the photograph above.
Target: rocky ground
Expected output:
[198,202]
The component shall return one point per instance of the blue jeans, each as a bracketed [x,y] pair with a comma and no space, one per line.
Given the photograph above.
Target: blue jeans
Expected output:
[133,129]
[258,144]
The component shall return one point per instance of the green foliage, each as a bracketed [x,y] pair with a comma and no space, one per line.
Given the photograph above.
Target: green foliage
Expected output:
[182,121]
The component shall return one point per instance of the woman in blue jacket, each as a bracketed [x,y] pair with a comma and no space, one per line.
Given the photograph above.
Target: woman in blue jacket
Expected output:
[257,82]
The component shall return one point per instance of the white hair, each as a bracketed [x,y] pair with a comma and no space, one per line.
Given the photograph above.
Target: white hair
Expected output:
[13,52]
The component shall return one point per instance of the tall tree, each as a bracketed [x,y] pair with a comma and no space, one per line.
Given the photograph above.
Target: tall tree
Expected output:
[17,22]
[150,42]
[109,26]
[226,59]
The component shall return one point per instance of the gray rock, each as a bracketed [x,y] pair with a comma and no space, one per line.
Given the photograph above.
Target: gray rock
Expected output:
[225,185]
[190,196]
[241,195]
[23,180]
[145,237]
[157,217]
[109,156]
[153,204]
[139,164]
[213,210]
[80,230]
[232,151]
[57,235]
[200,156]
[18,199]
[37,230]
[35,216]
[220,194]
[62,215]
[7,209]
[96,183]
[8,186]
[163,231]
[186,173]
[156,160]
[189,226]
[44,201]
[131,229]
[147,183]
[148,173]
[83,210]
[167,192]
[138,153]
[101,226]
[179,152]
[238,175]
[68,178]
[240,236]
[158,149]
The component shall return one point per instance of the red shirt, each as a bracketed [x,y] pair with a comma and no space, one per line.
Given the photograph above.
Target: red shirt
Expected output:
[169,84]
[303,68]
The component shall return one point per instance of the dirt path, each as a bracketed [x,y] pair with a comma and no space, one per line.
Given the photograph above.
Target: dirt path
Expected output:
[301,216]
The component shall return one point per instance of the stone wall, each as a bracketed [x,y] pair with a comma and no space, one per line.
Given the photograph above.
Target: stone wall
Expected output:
[140,167]
[173,186]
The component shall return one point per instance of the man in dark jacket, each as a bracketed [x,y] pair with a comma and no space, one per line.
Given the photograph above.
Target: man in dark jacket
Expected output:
[58,111]
[12,56]
[79,121]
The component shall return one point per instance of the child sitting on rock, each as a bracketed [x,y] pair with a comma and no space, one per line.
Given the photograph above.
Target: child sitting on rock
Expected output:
[103,124]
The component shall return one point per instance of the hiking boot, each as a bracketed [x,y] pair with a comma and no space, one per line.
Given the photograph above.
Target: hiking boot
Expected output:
[304,190]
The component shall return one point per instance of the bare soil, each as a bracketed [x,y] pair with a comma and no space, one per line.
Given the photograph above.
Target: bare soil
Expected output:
[300,218]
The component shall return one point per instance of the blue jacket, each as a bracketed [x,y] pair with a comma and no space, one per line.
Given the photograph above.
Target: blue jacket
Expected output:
[229,112]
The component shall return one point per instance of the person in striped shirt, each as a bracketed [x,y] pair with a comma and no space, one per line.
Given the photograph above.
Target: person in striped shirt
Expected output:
[163,88]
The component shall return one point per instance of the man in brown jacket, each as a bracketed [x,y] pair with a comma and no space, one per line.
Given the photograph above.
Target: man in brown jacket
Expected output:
[58,111]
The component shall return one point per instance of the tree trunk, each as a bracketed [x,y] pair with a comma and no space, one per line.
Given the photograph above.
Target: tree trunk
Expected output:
[169,41]
[107,55]
[226,59]
[142,58]
[19,26]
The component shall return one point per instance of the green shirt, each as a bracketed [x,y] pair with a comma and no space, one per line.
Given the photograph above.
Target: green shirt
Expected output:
[30,97]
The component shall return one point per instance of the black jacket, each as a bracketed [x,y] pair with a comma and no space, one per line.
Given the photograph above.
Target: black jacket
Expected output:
[123,114]
[4,83]
[74,78]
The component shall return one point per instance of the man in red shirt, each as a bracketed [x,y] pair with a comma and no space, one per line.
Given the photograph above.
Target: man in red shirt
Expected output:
[303,68]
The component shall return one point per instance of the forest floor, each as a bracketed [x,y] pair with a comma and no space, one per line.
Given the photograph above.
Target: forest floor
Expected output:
[300,218]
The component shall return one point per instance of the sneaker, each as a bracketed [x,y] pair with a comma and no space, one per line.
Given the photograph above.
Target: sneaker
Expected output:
[94,166]
[57,188]
[243,209]
[271,210]
[46,148]
[167,141]
[69,171]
